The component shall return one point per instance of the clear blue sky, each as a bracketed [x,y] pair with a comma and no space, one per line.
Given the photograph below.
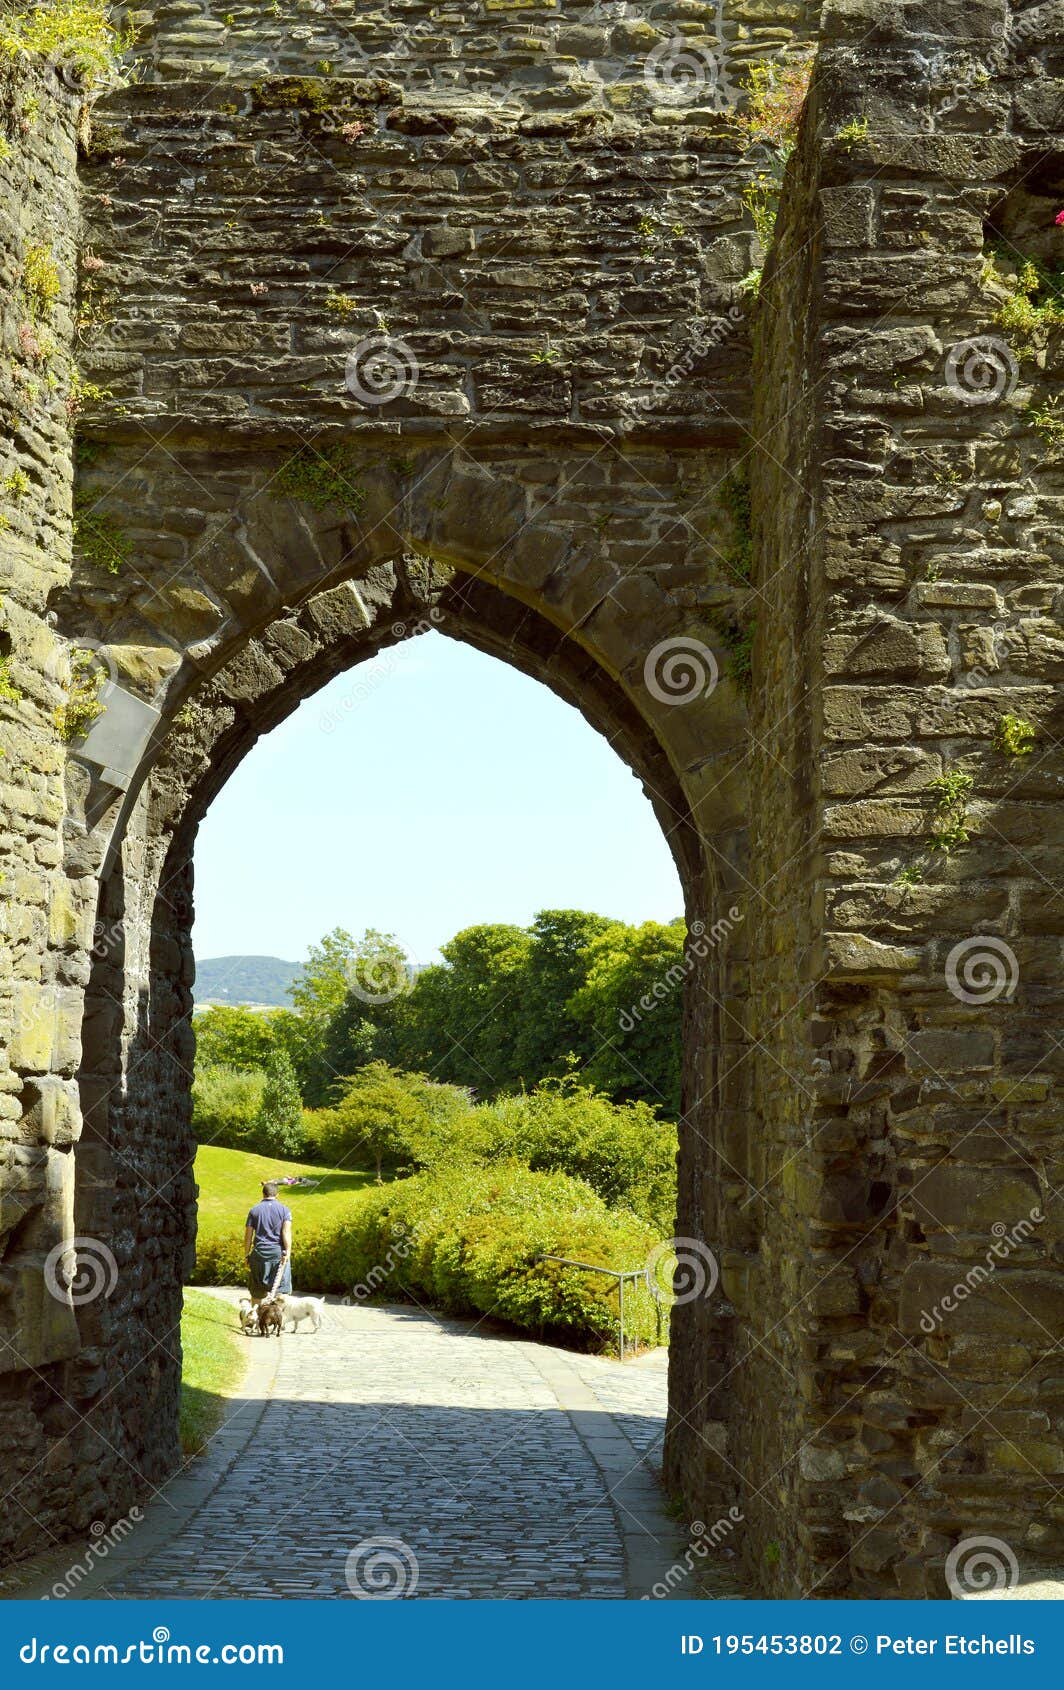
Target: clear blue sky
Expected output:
[419,793]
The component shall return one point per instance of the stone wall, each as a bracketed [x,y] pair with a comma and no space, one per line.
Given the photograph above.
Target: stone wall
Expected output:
[909,572]
[539,56]
[46,912]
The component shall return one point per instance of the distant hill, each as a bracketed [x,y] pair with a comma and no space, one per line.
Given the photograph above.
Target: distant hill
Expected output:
[245,979]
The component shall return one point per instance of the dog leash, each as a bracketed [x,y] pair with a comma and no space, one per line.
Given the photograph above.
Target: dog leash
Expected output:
[278,1276]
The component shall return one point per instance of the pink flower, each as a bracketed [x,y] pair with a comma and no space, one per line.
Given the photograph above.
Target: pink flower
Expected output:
[1059,218]
[258,289]
[31,346]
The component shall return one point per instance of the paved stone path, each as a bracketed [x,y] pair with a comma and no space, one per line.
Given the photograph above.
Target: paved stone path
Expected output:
[394,1452]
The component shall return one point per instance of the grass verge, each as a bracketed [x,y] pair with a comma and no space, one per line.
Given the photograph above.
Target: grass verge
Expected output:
[214,1359]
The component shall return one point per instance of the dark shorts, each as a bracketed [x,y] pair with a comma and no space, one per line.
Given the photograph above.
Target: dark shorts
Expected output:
[262,1268]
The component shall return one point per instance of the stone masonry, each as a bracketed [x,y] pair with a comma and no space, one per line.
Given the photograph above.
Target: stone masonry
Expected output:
[435,315]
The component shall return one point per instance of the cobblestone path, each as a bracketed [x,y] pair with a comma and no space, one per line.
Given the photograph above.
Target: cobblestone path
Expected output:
[396,1453]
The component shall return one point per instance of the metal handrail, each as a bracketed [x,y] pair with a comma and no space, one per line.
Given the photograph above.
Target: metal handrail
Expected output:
[620,1277]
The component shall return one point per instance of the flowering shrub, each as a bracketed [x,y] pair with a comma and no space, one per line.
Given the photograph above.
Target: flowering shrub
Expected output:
[774,110]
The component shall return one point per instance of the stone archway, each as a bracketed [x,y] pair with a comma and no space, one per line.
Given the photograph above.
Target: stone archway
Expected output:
[135,1153]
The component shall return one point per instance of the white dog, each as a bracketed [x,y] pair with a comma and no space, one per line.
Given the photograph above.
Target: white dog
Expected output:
[249,1320]
[296,1309]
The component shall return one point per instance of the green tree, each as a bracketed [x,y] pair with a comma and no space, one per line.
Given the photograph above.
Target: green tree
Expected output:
[231,1037]
[278,1126]
[458,1021]
[632,1004]
[296,1037]
[319,994]
[362,1028]
[378,1112]
[546,1032]
[321,988]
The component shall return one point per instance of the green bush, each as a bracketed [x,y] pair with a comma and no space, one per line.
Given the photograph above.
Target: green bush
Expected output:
[623,1151]
[225,1103]
[468,1241]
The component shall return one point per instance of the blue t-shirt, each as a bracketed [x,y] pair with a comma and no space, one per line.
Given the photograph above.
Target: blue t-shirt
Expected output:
[266,1220]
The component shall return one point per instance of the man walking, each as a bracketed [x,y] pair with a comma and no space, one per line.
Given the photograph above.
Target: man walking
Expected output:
[268,1245]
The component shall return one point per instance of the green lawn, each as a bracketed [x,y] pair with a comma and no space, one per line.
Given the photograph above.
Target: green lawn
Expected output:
[214,1359]
[230,1181]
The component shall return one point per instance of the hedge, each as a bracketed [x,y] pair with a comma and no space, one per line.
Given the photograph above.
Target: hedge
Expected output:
[467,1241]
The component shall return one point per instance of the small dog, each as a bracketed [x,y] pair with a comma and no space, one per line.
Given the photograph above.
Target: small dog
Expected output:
[296,1309]
[271,1316]
[249,1316]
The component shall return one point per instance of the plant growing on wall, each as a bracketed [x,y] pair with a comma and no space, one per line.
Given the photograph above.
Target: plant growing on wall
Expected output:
[1047,420]
[777,95]
[320,476]
[949,828]
[774,108]
[82,704]
[1034,294]
[739,642]
[81,393]
[97,536]
[853,133]
[1014,736]
[9,692]
[79,33]
[735,497]
[41,284]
